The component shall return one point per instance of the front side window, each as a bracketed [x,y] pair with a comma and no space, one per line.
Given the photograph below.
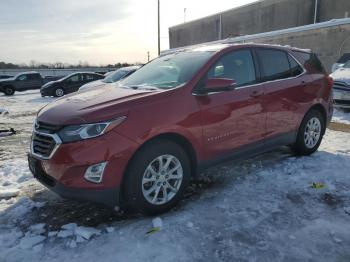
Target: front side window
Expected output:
[237,65]
[168,71]
[274,64]
[74,78]
[22,78]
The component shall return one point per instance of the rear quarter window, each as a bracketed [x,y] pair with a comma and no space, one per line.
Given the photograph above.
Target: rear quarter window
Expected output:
[310,60]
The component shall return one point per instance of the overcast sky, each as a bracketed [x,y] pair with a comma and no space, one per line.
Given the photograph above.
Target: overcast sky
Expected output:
[95,31]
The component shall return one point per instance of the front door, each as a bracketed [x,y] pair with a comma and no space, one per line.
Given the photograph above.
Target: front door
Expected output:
[235,118]
[73,83]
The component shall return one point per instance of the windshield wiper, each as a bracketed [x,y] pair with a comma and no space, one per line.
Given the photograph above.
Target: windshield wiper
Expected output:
[144,87]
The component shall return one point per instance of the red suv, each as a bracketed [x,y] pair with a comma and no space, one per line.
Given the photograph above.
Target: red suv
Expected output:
[136,144]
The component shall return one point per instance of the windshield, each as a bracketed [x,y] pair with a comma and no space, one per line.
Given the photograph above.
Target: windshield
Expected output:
[344,58]
[168,71]
[115,76]
[347,65]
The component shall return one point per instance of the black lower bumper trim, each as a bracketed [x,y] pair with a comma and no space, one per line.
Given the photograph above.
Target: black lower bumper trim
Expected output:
[108,197]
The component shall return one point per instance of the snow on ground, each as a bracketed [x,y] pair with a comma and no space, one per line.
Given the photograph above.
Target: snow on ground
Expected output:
[262,209]
[340,116]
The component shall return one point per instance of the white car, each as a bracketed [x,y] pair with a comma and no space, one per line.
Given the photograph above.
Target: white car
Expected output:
[111,77]
[341,87]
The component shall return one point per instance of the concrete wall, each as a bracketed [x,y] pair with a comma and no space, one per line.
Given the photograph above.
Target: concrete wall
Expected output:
[329,43]
[258,17]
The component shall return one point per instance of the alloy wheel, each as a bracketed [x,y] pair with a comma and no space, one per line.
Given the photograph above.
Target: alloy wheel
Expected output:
[162,179]
[312,132]
[59,92]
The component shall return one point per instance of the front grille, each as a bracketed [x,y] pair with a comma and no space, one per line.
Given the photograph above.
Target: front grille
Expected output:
[342,102]
[43,145]
[46,128]
[341,86]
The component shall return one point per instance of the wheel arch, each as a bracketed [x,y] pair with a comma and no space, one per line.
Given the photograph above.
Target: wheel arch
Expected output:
[9,86]
[180,140]
[173,137]
[320,108]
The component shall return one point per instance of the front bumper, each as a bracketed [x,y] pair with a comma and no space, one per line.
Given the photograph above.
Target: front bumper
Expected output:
[341,97]
[46,92]
[108,197]
[63,172]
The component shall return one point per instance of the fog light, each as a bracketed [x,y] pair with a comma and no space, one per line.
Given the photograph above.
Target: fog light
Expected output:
[94,173]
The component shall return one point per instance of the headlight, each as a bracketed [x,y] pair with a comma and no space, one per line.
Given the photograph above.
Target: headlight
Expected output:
[81,132]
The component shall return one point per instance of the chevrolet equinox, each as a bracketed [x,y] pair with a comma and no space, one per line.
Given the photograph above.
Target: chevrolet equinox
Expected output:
[137,144]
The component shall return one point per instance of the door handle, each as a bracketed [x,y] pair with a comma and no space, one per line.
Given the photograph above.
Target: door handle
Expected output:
[256,94]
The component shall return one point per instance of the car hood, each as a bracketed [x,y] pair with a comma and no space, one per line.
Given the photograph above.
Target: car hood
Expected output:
[342,75]
[7,80]
[92,106]
[51,83]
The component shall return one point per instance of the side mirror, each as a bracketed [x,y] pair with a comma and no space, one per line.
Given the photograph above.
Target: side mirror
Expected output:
[213,85]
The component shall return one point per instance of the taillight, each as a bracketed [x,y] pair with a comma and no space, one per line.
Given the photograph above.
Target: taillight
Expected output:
[330,81]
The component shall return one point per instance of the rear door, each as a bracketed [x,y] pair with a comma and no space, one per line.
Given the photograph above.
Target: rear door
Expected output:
[35,81]
[233,119]
[284,80]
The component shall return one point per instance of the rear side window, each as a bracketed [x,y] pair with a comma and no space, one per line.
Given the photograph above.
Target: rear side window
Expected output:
[34,76]
[274,64]
[237,65]
[90,77]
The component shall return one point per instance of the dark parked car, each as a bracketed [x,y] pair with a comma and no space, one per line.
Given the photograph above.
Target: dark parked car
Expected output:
[137,144]
[68,84]
[112,77]
[22,82]
[5,76]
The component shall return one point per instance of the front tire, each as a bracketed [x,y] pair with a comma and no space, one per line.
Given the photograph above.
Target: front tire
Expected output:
[58,92]
[156,178]
[9,90]
[310,133]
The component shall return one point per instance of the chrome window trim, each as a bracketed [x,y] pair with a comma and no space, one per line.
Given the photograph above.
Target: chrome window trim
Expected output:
[55,137]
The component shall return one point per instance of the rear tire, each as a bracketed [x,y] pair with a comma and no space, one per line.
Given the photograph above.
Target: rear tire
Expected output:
[58,92]
[310,133]
[9,90]
[156,178]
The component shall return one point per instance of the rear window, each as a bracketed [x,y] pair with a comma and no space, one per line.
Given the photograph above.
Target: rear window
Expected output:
[274,64]
[344,58]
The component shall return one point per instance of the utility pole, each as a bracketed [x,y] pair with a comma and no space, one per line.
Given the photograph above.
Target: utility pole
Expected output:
[316,11]
[158,27]
[185,9]
[148,56]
